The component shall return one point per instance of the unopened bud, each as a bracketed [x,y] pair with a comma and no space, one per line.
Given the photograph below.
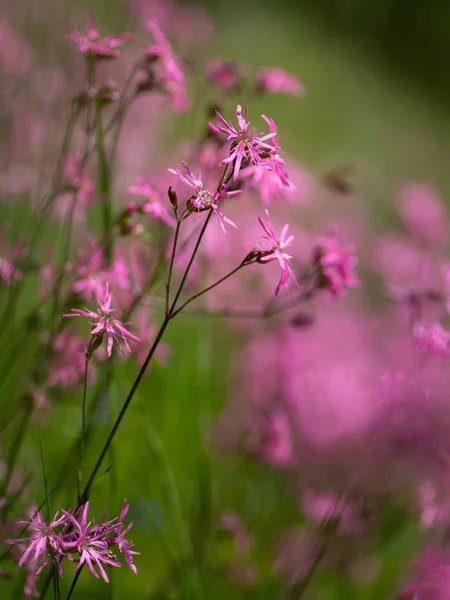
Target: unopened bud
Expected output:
[173,198]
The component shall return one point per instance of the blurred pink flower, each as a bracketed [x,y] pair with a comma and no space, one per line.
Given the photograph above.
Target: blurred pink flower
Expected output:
[276,446]
[95,47]
[335,263]
[246,148]
[155,208]
[103,323]
[277,80]
[15,53]
[225,74]
[433,337]
[277,252]
[432,580]
[68,364]
[171,77]
[423,213]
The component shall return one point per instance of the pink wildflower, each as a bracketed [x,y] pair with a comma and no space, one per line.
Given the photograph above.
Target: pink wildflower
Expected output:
[67,368]
[171,76]
[95,47]
[8,272]
[203,198]
[335,264]
[246,148]
[225,74]
[277,252]
[433,338]
[277,80]
[276,446]
[103,323]
[423,213]
[155,208]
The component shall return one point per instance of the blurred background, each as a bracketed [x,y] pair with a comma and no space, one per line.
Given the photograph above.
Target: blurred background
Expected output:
[377,103]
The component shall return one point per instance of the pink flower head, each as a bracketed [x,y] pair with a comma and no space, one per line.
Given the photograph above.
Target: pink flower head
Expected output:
[93,46]
[246,148]
[335,263]
[277,80]
[277,252]
[432,338]
[8,272]
[103,323]
[171,76]
[155,208]
[203,198]
[423,213]
[225,74]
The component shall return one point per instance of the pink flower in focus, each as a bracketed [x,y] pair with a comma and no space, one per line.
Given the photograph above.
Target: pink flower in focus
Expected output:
[335,263]
[203,198]
[172,78]
[277,252]
[224,73]
[432,338]
[277,80]
[246,148]
[155,208]
[93,46]
[103,323]
[35,549]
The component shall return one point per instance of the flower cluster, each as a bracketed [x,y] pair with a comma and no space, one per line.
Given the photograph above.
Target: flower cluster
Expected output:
[71,536]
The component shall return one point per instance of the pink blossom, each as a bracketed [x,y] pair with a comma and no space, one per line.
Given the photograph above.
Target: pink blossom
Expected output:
[103,323]
[423,213]
[335,263]
[8,272]
[276,446]
[246,148]
[432,580]
[93,46]
[224,73]
[433,338]
[203,198]
[67,367]
[171,77]
[155,208]
[277,252]
[277,80]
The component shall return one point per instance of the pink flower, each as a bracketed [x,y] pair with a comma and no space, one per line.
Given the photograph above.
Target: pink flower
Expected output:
[92,276]
[103,323]
[246,148]
[433,338]
[423,213]
[225,74]
[68,364]
[432,581]
[277,80]
[154,208]
[43,539]
[277,252]
[203,198]
[335,264]
[8,272]
[276,446]
[171,76]
[91,45]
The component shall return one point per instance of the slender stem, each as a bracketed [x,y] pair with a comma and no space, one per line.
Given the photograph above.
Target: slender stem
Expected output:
[74,582]
[191,260]
[83,419]
[195,296]
[172,259]
[148,358]
[124,408]
[104,185]
[15,448]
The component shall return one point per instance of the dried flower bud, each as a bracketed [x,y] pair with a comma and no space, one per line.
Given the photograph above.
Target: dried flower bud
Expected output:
[173,198]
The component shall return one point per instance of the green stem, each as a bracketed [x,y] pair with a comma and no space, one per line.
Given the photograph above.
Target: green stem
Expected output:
[83,418]
[209,288]
[172,259]
[15,448]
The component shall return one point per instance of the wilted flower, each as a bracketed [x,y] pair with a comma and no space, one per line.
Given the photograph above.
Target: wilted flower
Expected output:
[246,148]
[277,252]
[104,323]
